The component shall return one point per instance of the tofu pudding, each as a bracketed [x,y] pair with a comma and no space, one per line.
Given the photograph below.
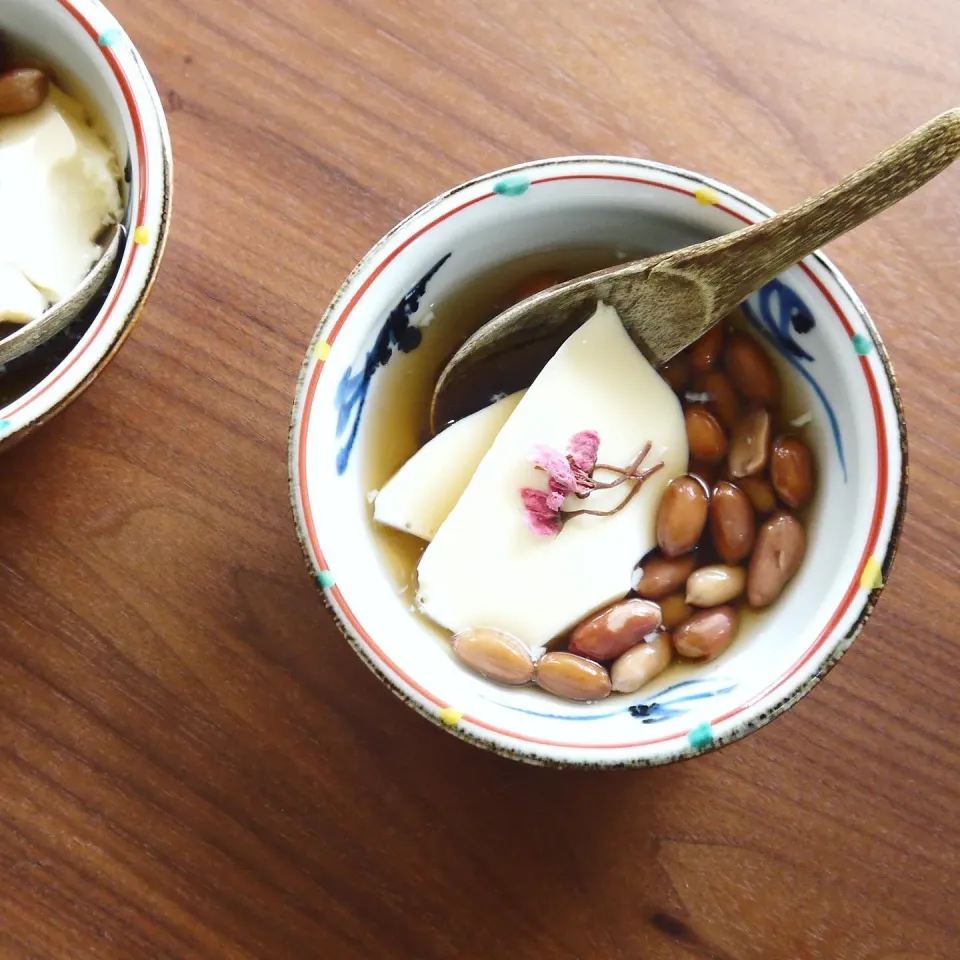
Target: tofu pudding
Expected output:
[540,579]
[59,188]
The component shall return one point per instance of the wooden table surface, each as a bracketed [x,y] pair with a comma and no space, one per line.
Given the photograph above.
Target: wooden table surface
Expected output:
[194,764]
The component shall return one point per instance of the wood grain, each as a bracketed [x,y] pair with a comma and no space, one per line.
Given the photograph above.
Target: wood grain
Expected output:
[194,765]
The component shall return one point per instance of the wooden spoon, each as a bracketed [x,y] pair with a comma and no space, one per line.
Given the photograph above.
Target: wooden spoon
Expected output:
[667,301]
[64,311]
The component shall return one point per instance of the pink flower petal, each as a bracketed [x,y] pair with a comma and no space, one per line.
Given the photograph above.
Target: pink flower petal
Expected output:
[542,511]
[557,468]
[583,449]
[555,500]
[582,457]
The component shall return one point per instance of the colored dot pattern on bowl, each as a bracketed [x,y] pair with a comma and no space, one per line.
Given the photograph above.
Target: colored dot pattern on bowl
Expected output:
[111,37]
[872,576]
[701,736]
[706,196]
[451,716]
[862,344]
[141,236]
[321,350]
[326,579]
[512,186]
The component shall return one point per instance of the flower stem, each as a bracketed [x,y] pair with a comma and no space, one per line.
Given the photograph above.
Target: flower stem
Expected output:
[639,477]
[625,474]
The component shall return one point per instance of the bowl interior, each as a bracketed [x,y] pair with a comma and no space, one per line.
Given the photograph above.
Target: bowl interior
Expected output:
[98,64]
[812,324]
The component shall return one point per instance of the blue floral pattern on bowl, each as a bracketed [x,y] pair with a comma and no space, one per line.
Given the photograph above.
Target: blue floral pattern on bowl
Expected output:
[397,333]
[668,704]
[778,314]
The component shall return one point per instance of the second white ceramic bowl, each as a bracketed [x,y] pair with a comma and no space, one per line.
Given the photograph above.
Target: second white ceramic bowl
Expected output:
[93,55]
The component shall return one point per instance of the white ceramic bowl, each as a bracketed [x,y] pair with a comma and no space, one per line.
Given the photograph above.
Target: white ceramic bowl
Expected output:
[91,52]
[813,323]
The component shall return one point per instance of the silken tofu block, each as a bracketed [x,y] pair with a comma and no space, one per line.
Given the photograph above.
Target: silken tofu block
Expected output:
[420,495]
[485,568]
[58,187]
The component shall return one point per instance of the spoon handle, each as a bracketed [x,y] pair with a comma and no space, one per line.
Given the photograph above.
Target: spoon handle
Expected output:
[730,268]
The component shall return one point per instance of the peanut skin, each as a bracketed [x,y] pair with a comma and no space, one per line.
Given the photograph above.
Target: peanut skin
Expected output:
[733,527]
[664,575]
[706,634]
[791,471]
[641,664]
[682,516]
[705,352]
[674,610]
[22,89]
[677,372]
[780,547]
[760,492]
[615,630]
[571,677]
[705,435]
[751,370]
[724,402]
[749,445]
[494,655]
[714,585]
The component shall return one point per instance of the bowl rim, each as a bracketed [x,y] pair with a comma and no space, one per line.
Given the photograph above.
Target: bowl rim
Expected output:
[148,237]
[683,746]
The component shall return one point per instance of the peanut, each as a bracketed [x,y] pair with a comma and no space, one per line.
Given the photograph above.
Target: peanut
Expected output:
[706,634]
[682,516]
[724,402]
[664,575]
[761,494]
[35,63]
[750,445]
[708,442]
[571,677]
[615,630]
[674,610]
[780,547]
[751,370]
[494,655]
[640,665]
[715,584]
[22,89]
[791,471]
[677,372]
[733,528]
[705,351]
